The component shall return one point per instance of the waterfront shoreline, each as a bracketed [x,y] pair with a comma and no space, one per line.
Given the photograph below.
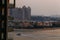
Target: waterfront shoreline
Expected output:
[37,34]
[43,28]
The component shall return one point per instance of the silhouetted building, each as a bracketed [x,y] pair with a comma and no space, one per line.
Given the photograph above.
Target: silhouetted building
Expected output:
[23,14]
[26,13]
[16,13]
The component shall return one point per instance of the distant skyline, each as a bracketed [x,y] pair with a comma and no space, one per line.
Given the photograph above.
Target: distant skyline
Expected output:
[41,7]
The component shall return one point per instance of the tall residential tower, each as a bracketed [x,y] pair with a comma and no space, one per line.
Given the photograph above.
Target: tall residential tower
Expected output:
[26,13]
[23,14]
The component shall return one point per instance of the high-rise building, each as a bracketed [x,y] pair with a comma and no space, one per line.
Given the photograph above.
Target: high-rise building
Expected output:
[23,14]
[29,13]
[16,13]
[26,13]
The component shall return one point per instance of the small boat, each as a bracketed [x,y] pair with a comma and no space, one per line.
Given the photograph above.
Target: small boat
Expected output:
[18,34]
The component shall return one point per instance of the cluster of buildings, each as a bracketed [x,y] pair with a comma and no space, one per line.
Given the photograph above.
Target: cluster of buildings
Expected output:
[22,14]
[46,24]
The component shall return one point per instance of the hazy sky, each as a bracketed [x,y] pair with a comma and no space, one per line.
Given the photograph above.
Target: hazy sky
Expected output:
[41,7]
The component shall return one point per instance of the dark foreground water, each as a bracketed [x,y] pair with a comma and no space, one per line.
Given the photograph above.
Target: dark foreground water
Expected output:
[35,34]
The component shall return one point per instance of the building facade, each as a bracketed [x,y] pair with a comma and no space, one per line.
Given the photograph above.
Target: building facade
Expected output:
[23,14]
[26,13]
[16,13]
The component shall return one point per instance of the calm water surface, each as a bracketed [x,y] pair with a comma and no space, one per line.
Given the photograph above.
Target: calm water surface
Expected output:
[35,34]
